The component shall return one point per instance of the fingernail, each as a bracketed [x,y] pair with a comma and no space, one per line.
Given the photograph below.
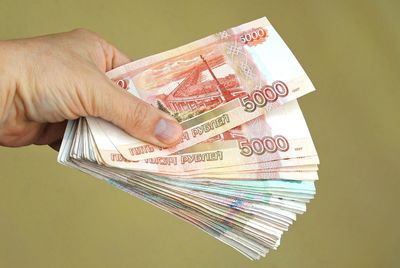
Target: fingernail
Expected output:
[167,131]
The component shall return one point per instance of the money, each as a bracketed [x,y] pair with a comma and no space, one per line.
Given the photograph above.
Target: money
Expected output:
[211,85]
[283,134]
[246,165]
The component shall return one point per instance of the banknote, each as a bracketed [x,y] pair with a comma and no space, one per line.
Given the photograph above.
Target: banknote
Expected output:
[285,141]
[305,172]
[211,85]
[298,173]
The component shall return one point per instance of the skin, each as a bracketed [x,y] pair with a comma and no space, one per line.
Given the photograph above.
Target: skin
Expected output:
[47,80]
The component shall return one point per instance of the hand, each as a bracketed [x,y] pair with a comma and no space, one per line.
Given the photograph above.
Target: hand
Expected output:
[47,80]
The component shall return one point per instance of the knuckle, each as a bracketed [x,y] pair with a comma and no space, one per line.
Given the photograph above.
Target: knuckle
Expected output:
[86,33]
[138,117]
[81,31]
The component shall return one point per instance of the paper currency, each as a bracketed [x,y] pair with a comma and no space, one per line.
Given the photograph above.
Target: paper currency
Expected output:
[284,136]
[212,85]
[247,163]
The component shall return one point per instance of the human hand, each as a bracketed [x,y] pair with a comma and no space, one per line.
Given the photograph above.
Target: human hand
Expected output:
[47,80]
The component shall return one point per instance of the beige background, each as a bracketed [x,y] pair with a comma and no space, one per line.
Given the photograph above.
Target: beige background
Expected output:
[52,216]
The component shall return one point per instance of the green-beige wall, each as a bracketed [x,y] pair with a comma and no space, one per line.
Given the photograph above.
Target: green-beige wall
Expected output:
[52,216]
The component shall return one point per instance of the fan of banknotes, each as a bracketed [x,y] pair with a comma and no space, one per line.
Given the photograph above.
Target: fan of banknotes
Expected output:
[246,164]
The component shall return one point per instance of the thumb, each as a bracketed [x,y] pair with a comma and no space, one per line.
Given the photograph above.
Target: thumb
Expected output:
[135,116]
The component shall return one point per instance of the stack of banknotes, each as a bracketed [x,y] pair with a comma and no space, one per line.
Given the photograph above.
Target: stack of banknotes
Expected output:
[246,164]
